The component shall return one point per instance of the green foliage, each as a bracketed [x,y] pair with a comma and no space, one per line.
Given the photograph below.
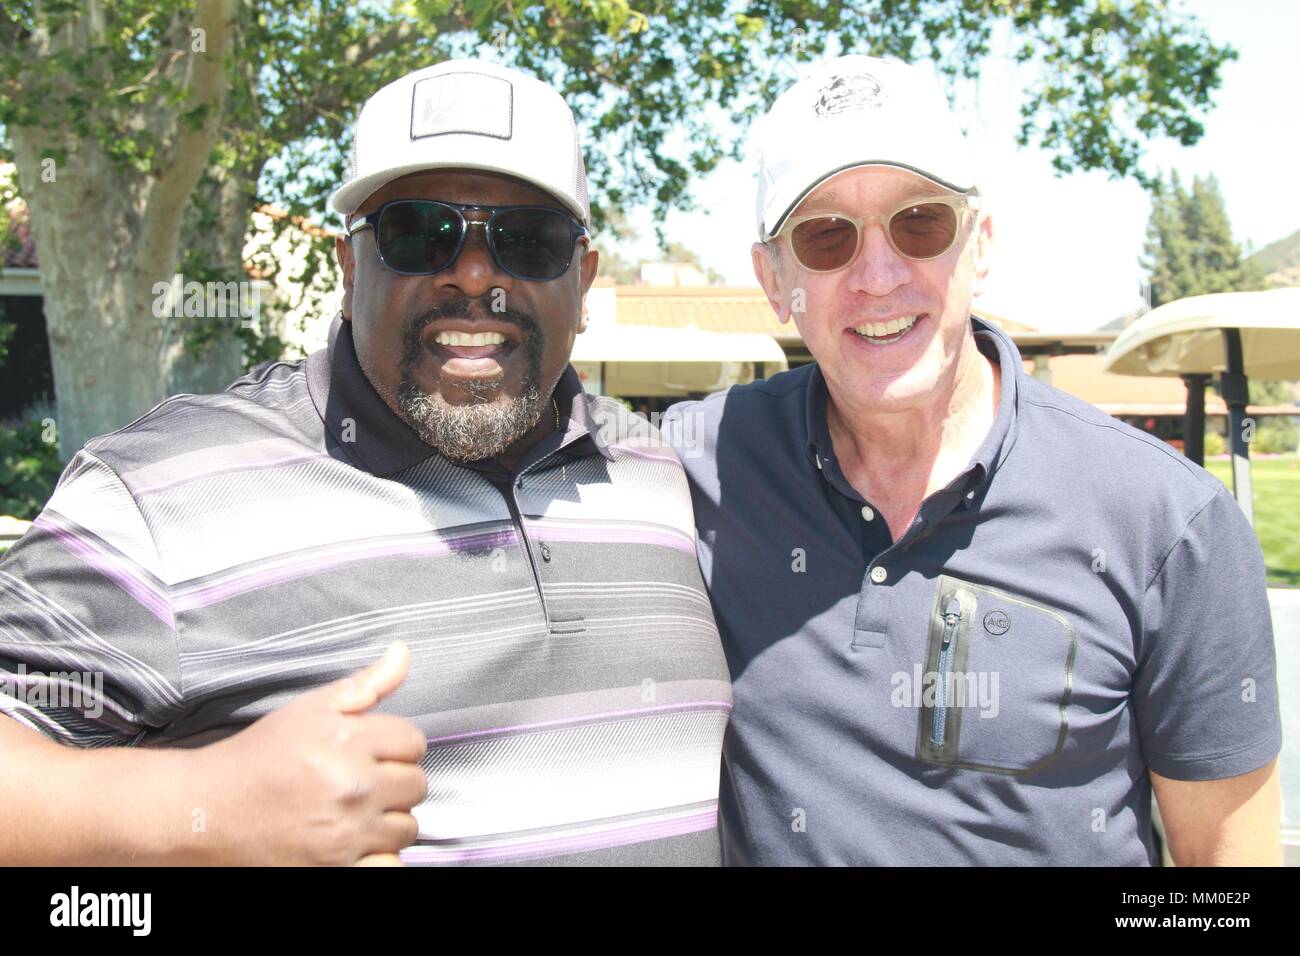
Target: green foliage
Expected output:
[1280,260]
[6,332]
[1189,248]
[1271,392]
[109,91]
[1276,486]
[1276,436]
[647,81]
[8,242]
[1215,443]
[29,469]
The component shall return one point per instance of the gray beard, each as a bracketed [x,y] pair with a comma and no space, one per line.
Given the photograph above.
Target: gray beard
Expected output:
[487,426]
[470,432]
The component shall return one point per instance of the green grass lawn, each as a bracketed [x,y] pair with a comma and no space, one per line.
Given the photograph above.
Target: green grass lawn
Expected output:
[1276,483]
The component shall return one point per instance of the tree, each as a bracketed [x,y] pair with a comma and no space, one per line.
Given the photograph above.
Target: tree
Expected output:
[1190,251]
[146,132]
[1189,248]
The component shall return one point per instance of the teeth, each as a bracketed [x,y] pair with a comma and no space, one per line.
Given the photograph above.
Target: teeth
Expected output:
[470,338]
[880,330]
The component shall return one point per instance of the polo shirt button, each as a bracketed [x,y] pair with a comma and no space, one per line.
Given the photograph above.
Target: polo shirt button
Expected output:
[868,514]
[878,574]
[970,496]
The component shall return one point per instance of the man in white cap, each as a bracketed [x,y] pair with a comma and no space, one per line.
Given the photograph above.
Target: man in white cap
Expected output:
[435,482]
[969,618]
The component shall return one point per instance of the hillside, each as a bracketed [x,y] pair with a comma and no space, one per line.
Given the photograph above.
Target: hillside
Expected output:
[1281,261]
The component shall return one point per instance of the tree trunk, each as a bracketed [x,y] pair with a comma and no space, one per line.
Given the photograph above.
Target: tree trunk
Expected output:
[213,237]
[106,232]
[104,337]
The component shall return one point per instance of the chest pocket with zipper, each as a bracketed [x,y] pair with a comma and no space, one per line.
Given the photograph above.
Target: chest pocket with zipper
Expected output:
[999,669]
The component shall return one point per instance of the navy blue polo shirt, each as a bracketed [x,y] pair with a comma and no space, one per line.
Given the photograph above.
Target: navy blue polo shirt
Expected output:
[1080,604]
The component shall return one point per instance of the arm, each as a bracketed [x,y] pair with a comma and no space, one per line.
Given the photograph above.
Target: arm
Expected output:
[89,667]
[1205,694]
[318,781]
[1230,822]
[63,806]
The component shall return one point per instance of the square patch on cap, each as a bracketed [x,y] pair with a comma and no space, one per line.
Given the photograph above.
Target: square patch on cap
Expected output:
[462,103]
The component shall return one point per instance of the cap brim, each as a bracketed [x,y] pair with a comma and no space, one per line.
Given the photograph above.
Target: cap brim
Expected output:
[781,207]
[348,198]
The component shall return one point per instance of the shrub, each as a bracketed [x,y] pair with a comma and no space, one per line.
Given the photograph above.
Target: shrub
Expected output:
[1214,444]
[1275,436]
[29,469]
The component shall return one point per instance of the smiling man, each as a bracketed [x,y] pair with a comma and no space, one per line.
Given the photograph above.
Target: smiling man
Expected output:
[436,476]
[969,619]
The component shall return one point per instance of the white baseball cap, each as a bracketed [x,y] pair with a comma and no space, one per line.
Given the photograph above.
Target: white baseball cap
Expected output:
[467,114]
[850,112]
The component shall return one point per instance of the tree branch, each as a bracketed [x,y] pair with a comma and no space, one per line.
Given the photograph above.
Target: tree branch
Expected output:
[191,147]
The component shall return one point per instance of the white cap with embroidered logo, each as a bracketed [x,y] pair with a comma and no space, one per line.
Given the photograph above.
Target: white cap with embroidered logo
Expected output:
[467,114]
[856,111]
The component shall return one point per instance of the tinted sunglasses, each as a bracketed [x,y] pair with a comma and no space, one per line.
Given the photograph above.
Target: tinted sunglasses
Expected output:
[419,237]
[918,229]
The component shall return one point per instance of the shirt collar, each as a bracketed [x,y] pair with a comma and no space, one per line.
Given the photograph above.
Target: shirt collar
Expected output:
[365,431]
[991,452]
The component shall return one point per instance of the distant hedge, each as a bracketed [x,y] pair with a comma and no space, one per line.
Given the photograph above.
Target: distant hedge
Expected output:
[29,468]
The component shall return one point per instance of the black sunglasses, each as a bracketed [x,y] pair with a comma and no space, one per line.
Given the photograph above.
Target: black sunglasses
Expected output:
[419,237]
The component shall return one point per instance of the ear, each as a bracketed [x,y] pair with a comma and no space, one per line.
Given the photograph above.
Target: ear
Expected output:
[347,263]
[587,267]
[983,254]
[767,272]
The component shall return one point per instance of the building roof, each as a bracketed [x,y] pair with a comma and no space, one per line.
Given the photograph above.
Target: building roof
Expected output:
[711,308]
[722,309]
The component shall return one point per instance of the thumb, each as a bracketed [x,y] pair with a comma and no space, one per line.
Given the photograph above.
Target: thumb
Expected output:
[370,685]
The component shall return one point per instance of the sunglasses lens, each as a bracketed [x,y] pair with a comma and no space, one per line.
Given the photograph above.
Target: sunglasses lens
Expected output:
[824,244]
[925,230]
[418,237]
[533,243]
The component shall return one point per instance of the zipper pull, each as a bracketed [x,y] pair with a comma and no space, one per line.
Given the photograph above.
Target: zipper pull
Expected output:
[951,618]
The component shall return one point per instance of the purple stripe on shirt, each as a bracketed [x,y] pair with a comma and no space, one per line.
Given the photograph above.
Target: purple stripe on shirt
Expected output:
[577,843]
[112,568]
[724,705]
[251,581]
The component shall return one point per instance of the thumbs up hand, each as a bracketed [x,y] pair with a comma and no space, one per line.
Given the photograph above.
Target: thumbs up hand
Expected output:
[321,780]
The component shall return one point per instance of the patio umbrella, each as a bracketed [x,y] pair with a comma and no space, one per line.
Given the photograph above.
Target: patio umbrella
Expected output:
[1235,335]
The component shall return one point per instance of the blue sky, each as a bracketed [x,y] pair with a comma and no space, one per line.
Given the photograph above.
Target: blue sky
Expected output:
[1081,269]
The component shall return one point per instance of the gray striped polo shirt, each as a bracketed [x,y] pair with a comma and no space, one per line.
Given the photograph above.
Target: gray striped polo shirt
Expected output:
[224,553]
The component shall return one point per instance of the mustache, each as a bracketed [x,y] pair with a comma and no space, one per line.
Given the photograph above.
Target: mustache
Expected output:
[467,308]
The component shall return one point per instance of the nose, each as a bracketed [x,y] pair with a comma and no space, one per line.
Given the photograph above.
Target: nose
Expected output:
[474,273]
[878,270]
